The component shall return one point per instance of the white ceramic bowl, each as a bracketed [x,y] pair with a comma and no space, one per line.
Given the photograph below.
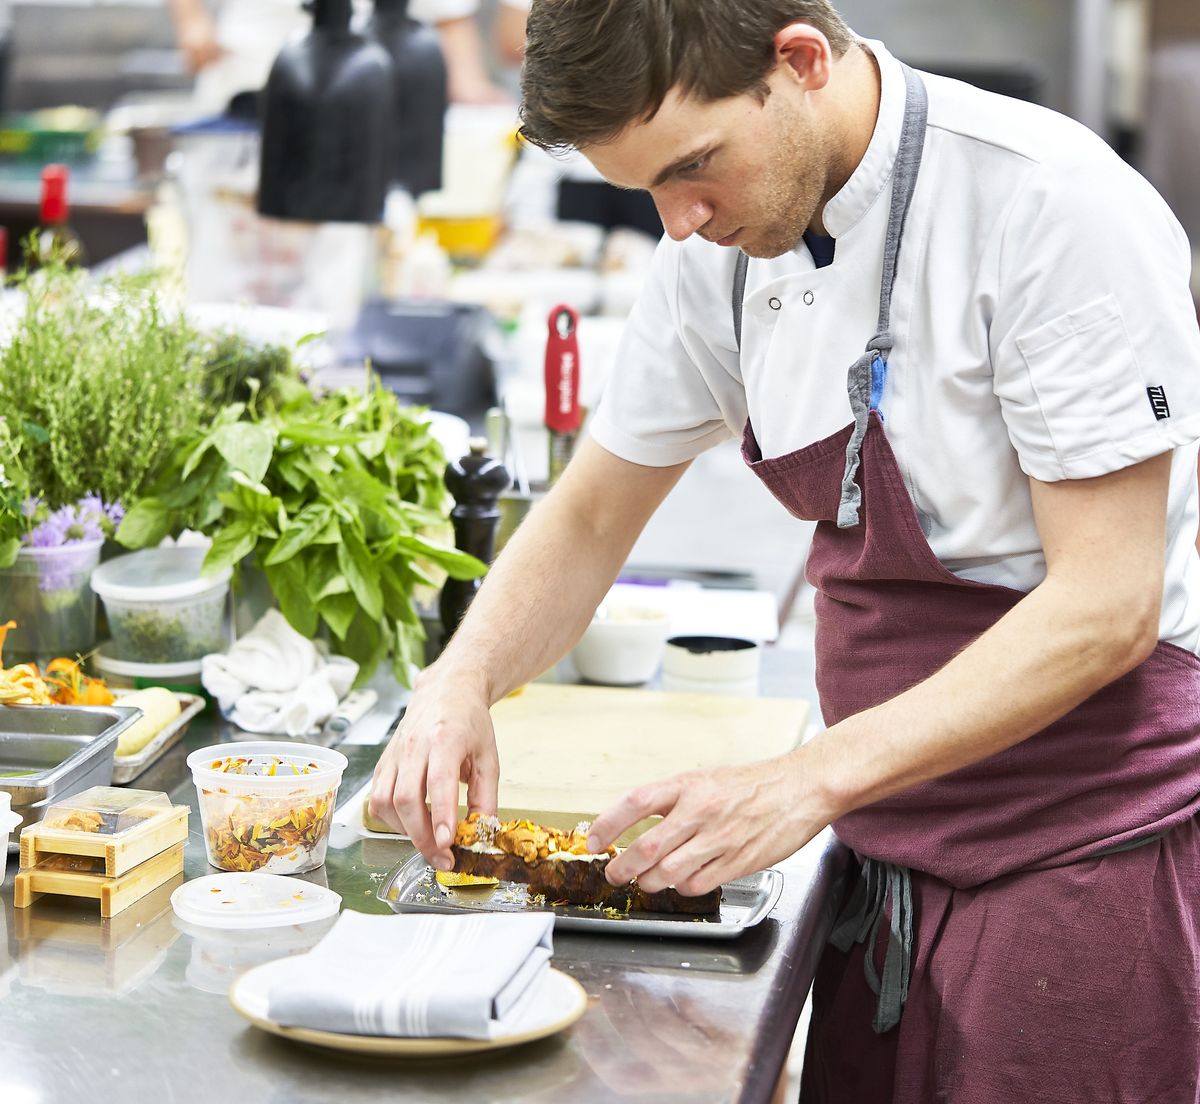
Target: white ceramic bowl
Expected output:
[623,646]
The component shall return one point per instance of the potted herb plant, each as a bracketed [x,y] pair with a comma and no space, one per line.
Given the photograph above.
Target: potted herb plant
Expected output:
[334,497]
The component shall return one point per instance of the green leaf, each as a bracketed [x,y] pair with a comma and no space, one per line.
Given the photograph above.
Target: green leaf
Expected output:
[313,433]
[247,447]
[362,575]
[34,433]
[397,597]
[456,563]
[8,551]
[301,531]
[145,525]
[195,456]
[231,545]
[338,610]
[288,585]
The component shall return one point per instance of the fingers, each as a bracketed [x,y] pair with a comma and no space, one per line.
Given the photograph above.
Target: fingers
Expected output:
[684,867]
[634,806]
[483,781]
[650,848]
[442,778]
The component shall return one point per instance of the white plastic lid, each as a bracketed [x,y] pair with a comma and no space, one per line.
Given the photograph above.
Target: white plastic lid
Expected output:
[110,665]
[242,901]
[8,819]
[157,575]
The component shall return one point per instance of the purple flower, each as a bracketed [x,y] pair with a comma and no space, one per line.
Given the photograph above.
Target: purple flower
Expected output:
[52,533]
[115,512]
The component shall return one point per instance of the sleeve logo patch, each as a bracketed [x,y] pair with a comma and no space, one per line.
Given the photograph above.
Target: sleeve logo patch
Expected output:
[1158,402]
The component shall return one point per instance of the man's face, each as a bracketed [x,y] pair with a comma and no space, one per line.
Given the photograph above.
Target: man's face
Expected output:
[737,171]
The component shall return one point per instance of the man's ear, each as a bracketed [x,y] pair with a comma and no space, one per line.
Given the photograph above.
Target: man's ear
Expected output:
[806,52]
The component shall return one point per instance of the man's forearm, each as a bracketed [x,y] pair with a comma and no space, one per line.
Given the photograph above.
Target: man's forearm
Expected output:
[1033,666]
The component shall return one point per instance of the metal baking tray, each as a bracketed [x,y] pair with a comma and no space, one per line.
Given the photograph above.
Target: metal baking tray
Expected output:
[48,752]
[411,887]
[128,767]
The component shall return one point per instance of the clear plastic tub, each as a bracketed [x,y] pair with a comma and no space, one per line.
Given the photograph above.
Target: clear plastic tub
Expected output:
[160,608]
[46,592]
[266,805]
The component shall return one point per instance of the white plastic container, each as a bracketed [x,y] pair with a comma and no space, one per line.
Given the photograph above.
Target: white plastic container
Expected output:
[160,608]
[266,805]
[8,821]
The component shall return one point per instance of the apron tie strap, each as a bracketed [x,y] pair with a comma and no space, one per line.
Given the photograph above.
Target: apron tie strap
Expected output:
[882,889]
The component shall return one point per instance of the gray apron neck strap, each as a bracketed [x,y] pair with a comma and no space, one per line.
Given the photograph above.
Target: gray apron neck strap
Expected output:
[865,379]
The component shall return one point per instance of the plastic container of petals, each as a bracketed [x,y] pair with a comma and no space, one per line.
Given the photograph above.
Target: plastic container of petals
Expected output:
[267,805]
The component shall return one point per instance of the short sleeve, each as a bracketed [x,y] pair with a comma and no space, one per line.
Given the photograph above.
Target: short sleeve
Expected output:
[1095,347]
[670,395]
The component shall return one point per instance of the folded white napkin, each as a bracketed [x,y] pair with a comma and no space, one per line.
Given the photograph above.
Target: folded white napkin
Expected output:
[414,976]
[273,680]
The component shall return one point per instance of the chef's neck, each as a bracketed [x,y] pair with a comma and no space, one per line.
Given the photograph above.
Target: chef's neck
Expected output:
[855,85]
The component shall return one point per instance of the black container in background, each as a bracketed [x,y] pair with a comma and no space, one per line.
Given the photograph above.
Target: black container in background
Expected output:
[420,89]
[326,124]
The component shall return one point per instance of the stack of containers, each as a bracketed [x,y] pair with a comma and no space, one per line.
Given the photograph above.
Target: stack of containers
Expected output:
[106,844]
[164,614]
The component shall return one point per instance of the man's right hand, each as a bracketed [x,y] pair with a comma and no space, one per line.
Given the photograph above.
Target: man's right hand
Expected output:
[445,737]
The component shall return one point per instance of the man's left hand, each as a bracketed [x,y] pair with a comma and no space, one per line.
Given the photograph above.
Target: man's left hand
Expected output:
[717,825]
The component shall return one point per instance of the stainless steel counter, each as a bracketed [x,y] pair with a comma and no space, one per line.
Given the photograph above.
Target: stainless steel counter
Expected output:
[132,1009]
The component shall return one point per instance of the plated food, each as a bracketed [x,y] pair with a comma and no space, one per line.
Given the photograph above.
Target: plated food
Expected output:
[558,865]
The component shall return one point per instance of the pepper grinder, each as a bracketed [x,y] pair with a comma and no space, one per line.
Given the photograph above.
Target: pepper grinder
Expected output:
[476,482]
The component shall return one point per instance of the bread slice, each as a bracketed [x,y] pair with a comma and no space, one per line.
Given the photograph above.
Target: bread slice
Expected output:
[579,880]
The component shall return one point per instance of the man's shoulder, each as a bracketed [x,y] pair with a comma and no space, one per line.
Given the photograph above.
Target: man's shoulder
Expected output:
[1027,134]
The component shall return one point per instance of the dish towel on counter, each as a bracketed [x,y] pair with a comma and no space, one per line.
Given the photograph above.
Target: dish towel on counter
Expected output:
[273,680]
[414,976]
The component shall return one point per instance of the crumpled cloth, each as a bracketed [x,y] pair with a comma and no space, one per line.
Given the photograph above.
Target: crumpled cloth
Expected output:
[415,976]
[275,681]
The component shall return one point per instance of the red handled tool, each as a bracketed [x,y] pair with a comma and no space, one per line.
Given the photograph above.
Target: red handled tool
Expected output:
[563,416]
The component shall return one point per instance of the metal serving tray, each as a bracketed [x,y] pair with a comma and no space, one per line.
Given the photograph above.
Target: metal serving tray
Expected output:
[48,752]
[411,887]
[128,767]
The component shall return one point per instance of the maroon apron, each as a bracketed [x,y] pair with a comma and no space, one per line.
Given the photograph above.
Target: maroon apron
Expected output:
[1037,913]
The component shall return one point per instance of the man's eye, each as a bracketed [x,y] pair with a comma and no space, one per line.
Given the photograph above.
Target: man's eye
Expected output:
[694,167]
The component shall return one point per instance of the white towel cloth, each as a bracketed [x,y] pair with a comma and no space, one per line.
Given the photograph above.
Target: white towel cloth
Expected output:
[414,976]
[273,680]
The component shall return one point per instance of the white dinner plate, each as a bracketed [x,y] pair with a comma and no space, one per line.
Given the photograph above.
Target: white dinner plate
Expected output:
[558,1002]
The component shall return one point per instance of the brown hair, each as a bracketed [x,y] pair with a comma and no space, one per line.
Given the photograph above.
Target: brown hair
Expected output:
[592,67]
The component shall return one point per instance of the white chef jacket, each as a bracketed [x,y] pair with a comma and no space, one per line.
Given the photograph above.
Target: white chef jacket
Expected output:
[1042,288]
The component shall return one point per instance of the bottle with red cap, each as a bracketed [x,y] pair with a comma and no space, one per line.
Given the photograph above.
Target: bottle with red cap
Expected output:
[54,239]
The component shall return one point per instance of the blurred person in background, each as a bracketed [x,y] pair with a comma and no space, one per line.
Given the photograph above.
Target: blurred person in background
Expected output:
[231,52]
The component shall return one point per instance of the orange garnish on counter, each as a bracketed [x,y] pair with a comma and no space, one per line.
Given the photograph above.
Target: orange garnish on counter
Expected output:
[68,685]
[22,684]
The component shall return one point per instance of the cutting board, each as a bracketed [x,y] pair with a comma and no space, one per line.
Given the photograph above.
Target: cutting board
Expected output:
[569,752]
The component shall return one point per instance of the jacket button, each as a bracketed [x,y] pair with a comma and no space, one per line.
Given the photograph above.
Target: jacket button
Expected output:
[774,303]
[808,298]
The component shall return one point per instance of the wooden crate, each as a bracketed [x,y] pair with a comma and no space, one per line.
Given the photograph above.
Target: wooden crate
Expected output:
[114,894]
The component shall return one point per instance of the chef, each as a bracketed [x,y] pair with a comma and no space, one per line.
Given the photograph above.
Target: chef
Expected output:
[954,330]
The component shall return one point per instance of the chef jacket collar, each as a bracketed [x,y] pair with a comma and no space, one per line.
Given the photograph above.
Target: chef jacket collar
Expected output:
[867,182]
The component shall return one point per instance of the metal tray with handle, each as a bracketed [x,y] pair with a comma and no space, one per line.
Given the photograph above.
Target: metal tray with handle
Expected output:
[128,767]
[411,887]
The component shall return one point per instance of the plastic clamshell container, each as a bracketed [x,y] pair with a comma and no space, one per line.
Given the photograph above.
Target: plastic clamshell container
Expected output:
[161,609]
[252,901]
[266,805]
[103,810]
